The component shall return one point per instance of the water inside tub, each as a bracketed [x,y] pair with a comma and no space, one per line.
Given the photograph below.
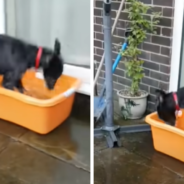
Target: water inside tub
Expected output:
[35,87]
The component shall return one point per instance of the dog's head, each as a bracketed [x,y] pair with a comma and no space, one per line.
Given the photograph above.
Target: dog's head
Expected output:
[53,66]
[166,107]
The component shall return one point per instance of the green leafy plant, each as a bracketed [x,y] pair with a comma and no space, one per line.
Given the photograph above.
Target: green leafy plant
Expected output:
[139,25]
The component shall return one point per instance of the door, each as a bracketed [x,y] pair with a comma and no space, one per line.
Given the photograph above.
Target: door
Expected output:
[41,21]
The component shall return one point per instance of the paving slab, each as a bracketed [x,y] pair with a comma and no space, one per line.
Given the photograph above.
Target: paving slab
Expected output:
[69,142]
[32,166]
[10,129]
[142,144]
[7,178]
[121,166]
[81,108]
[4,141]
[100,144]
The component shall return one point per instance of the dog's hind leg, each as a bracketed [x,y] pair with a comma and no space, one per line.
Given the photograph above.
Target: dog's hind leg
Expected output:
[12,80]
[19,86]
[8,83]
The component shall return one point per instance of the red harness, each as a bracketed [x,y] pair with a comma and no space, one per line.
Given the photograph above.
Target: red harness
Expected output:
[38,57]
[176,101]
[177,107]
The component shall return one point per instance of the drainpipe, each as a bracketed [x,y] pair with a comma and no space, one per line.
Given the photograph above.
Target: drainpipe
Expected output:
[113,29]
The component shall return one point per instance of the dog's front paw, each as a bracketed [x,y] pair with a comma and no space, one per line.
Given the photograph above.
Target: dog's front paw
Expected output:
[7,86]
[21,90]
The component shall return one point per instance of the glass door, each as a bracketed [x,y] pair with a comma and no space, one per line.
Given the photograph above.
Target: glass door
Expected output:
[40,22]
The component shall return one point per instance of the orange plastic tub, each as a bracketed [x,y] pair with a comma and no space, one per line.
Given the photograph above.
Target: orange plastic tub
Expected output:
[39,109]
[168,139]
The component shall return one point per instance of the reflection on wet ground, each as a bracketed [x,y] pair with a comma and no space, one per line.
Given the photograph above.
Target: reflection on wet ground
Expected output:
[135,163]
[62,156]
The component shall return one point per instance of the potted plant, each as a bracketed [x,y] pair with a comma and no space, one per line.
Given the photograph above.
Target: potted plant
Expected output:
[133,101]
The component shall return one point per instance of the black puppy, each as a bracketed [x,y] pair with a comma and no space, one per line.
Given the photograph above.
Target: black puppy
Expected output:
[168,103]
[17,56]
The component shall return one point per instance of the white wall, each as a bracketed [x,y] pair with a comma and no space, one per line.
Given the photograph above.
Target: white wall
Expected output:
[177,42]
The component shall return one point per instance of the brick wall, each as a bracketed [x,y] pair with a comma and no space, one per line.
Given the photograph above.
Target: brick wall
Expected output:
[156,50]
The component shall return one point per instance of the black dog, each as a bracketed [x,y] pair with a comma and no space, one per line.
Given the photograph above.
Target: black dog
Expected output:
[17,56]
[168,104]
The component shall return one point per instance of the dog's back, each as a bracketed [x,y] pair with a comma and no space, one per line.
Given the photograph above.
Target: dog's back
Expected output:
[14,54]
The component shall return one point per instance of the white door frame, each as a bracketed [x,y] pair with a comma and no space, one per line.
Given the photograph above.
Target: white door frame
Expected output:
[79,72]
[2,17]
[176,45]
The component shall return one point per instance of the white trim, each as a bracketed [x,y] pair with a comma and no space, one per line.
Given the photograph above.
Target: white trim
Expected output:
[176,45]
[78,72]
[81,73]
[2,16]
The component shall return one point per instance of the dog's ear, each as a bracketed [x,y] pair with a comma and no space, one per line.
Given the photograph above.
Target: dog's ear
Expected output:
[57,47]
[160,95]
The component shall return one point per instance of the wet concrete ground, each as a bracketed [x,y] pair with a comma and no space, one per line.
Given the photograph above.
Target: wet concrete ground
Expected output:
[62,156]
[135,163]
